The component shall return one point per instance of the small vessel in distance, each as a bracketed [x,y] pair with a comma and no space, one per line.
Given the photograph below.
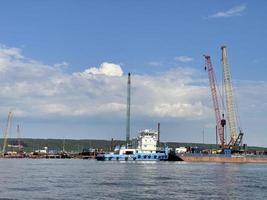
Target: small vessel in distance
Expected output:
[143,148]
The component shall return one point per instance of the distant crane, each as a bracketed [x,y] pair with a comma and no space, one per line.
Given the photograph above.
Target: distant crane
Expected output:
[18,140]
[220,121]
[235,140]
[6,131]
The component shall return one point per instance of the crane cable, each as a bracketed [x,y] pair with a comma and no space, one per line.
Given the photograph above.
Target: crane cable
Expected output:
[238,119]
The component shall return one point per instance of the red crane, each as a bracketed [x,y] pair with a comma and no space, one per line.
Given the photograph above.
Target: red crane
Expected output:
[220,121]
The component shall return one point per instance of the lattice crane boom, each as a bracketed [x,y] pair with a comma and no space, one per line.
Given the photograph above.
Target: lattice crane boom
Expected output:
[6,131]
[220,122]
[18,138]
[229,97]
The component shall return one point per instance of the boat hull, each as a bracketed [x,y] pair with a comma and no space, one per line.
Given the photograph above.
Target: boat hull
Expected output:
[132,157]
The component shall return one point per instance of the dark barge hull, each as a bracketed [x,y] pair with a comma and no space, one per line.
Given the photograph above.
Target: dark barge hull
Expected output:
[222,159]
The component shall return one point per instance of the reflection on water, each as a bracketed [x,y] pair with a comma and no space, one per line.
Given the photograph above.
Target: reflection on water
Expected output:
[89,179]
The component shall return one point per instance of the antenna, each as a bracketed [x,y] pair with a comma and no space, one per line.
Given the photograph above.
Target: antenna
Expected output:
[158,142]
[128,109]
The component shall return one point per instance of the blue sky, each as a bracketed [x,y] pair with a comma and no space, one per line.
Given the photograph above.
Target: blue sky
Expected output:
[85,33]
[52,42]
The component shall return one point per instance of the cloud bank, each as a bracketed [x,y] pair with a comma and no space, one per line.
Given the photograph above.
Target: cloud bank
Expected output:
[44,90]
[180,97]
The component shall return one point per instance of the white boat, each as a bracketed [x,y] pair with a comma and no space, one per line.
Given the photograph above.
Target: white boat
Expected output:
[143,148]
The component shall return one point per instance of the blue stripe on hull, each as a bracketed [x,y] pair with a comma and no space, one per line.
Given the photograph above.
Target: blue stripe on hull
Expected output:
[137,157]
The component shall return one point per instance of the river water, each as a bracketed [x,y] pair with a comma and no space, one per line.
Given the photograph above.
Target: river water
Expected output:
[89,179]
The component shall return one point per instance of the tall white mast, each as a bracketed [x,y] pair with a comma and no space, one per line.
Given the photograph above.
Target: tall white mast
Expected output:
[128,112]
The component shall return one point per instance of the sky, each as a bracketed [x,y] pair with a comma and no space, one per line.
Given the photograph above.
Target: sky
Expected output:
[64,65]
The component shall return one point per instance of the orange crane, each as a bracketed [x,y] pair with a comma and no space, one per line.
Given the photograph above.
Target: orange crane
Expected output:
[220,121]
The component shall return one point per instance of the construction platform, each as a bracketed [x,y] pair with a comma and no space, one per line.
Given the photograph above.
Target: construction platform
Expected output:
[222,158]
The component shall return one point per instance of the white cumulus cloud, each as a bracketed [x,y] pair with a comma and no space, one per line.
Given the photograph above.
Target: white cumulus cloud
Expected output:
[108,69]
[193,110]
[232,12]
[183,59]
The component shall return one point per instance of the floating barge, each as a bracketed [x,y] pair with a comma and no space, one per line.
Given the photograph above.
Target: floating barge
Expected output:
[188,157]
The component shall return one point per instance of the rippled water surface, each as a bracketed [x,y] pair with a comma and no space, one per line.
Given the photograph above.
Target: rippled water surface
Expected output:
[90,179]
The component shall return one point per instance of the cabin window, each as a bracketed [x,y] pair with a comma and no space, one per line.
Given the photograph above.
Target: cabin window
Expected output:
[144,156]
[155,156]
[149,156]
[139,156]
[129,152]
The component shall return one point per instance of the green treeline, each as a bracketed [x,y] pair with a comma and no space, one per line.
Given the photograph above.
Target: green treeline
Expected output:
[31,144]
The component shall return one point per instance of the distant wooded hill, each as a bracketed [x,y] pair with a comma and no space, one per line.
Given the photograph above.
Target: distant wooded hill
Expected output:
[31,144]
